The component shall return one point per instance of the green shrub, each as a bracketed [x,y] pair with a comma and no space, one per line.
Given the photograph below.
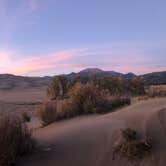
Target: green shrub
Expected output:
[131,147]
[47,112]
[15,140]
[26,117]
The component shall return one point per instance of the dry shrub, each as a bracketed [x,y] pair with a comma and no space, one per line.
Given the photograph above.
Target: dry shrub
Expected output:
[156,91]
[47,112]
[67,109]
[88,99]
[129,134]
[83,99]
[118,101]
[131,147]
[142,98]
[15,140]
[26,117]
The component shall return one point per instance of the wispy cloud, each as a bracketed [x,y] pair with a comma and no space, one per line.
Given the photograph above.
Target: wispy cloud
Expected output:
[12,19]
[39,63]
[5,58]
[77,59]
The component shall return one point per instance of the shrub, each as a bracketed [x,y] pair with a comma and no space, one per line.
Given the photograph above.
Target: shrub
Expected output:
[143,98]
[129,134]
[15,140]
[118,101]
[85,97]
[58,88]
[66,109]
[47,112]
[82,99]
[131,147]
[26,117]
[88,99]
[156,91]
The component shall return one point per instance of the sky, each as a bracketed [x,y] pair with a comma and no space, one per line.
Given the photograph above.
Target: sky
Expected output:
[49,37]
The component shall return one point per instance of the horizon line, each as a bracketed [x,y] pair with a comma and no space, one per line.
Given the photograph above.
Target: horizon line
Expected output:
[21,75]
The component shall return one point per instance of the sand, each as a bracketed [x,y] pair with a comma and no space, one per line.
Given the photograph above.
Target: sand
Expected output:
[22,95]
[89,140]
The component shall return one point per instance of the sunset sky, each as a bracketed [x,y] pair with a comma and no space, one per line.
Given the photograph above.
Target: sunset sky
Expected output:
[48,37]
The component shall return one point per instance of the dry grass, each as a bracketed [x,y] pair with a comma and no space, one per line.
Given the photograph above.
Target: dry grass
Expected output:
[15,140]
[156,91]
[47,112]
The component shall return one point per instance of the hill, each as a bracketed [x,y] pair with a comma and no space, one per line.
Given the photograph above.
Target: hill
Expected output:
[155,78]
[8,81]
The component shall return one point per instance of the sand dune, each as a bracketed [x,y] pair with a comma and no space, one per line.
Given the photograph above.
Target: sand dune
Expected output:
[88,141]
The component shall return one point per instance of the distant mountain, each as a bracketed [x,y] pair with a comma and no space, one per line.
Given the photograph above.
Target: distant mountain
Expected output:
[94,72]
[154,78]
[99,73]
[130,76]
[8,81]
[91,71]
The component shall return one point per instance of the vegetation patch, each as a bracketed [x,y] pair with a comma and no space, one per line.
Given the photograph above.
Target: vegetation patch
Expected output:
[47,112]
[131,147]
[156,91]
[26,117]
[82,99]
[15,140]
[60,85]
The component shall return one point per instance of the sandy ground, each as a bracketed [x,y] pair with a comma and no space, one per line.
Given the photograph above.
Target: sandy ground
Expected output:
[22,95]
[18,101]
[88,141]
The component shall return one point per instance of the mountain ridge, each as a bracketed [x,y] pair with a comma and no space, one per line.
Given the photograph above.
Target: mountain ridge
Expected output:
[9,81]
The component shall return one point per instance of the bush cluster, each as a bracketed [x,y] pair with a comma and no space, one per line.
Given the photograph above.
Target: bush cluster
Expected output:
[61,85]
[82,99]
[15,140]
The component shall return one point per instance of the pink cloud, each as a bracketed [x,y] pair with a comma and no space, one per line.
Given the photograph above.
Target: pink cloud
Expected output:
[5,58]
[65,61]
[54,61]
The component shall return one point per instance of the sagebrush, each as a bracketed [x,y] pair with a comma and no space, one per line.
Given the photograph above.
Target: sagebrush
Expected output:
[15,140]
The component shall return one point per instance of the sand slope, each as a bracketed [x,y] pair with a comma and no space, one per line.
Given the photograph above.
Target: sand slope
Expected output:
[88,141]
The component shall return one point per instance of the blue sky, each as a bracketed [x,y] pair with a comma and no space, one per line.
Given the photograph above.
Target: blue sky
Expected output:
[47,37]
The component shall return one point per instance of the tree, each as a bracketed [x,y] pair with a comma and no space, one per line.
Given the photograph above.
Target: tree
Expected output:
[58,87]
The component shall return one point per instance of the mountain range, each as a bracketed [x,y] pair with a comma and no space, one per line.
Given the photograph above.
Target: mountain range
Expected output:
[8,81]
